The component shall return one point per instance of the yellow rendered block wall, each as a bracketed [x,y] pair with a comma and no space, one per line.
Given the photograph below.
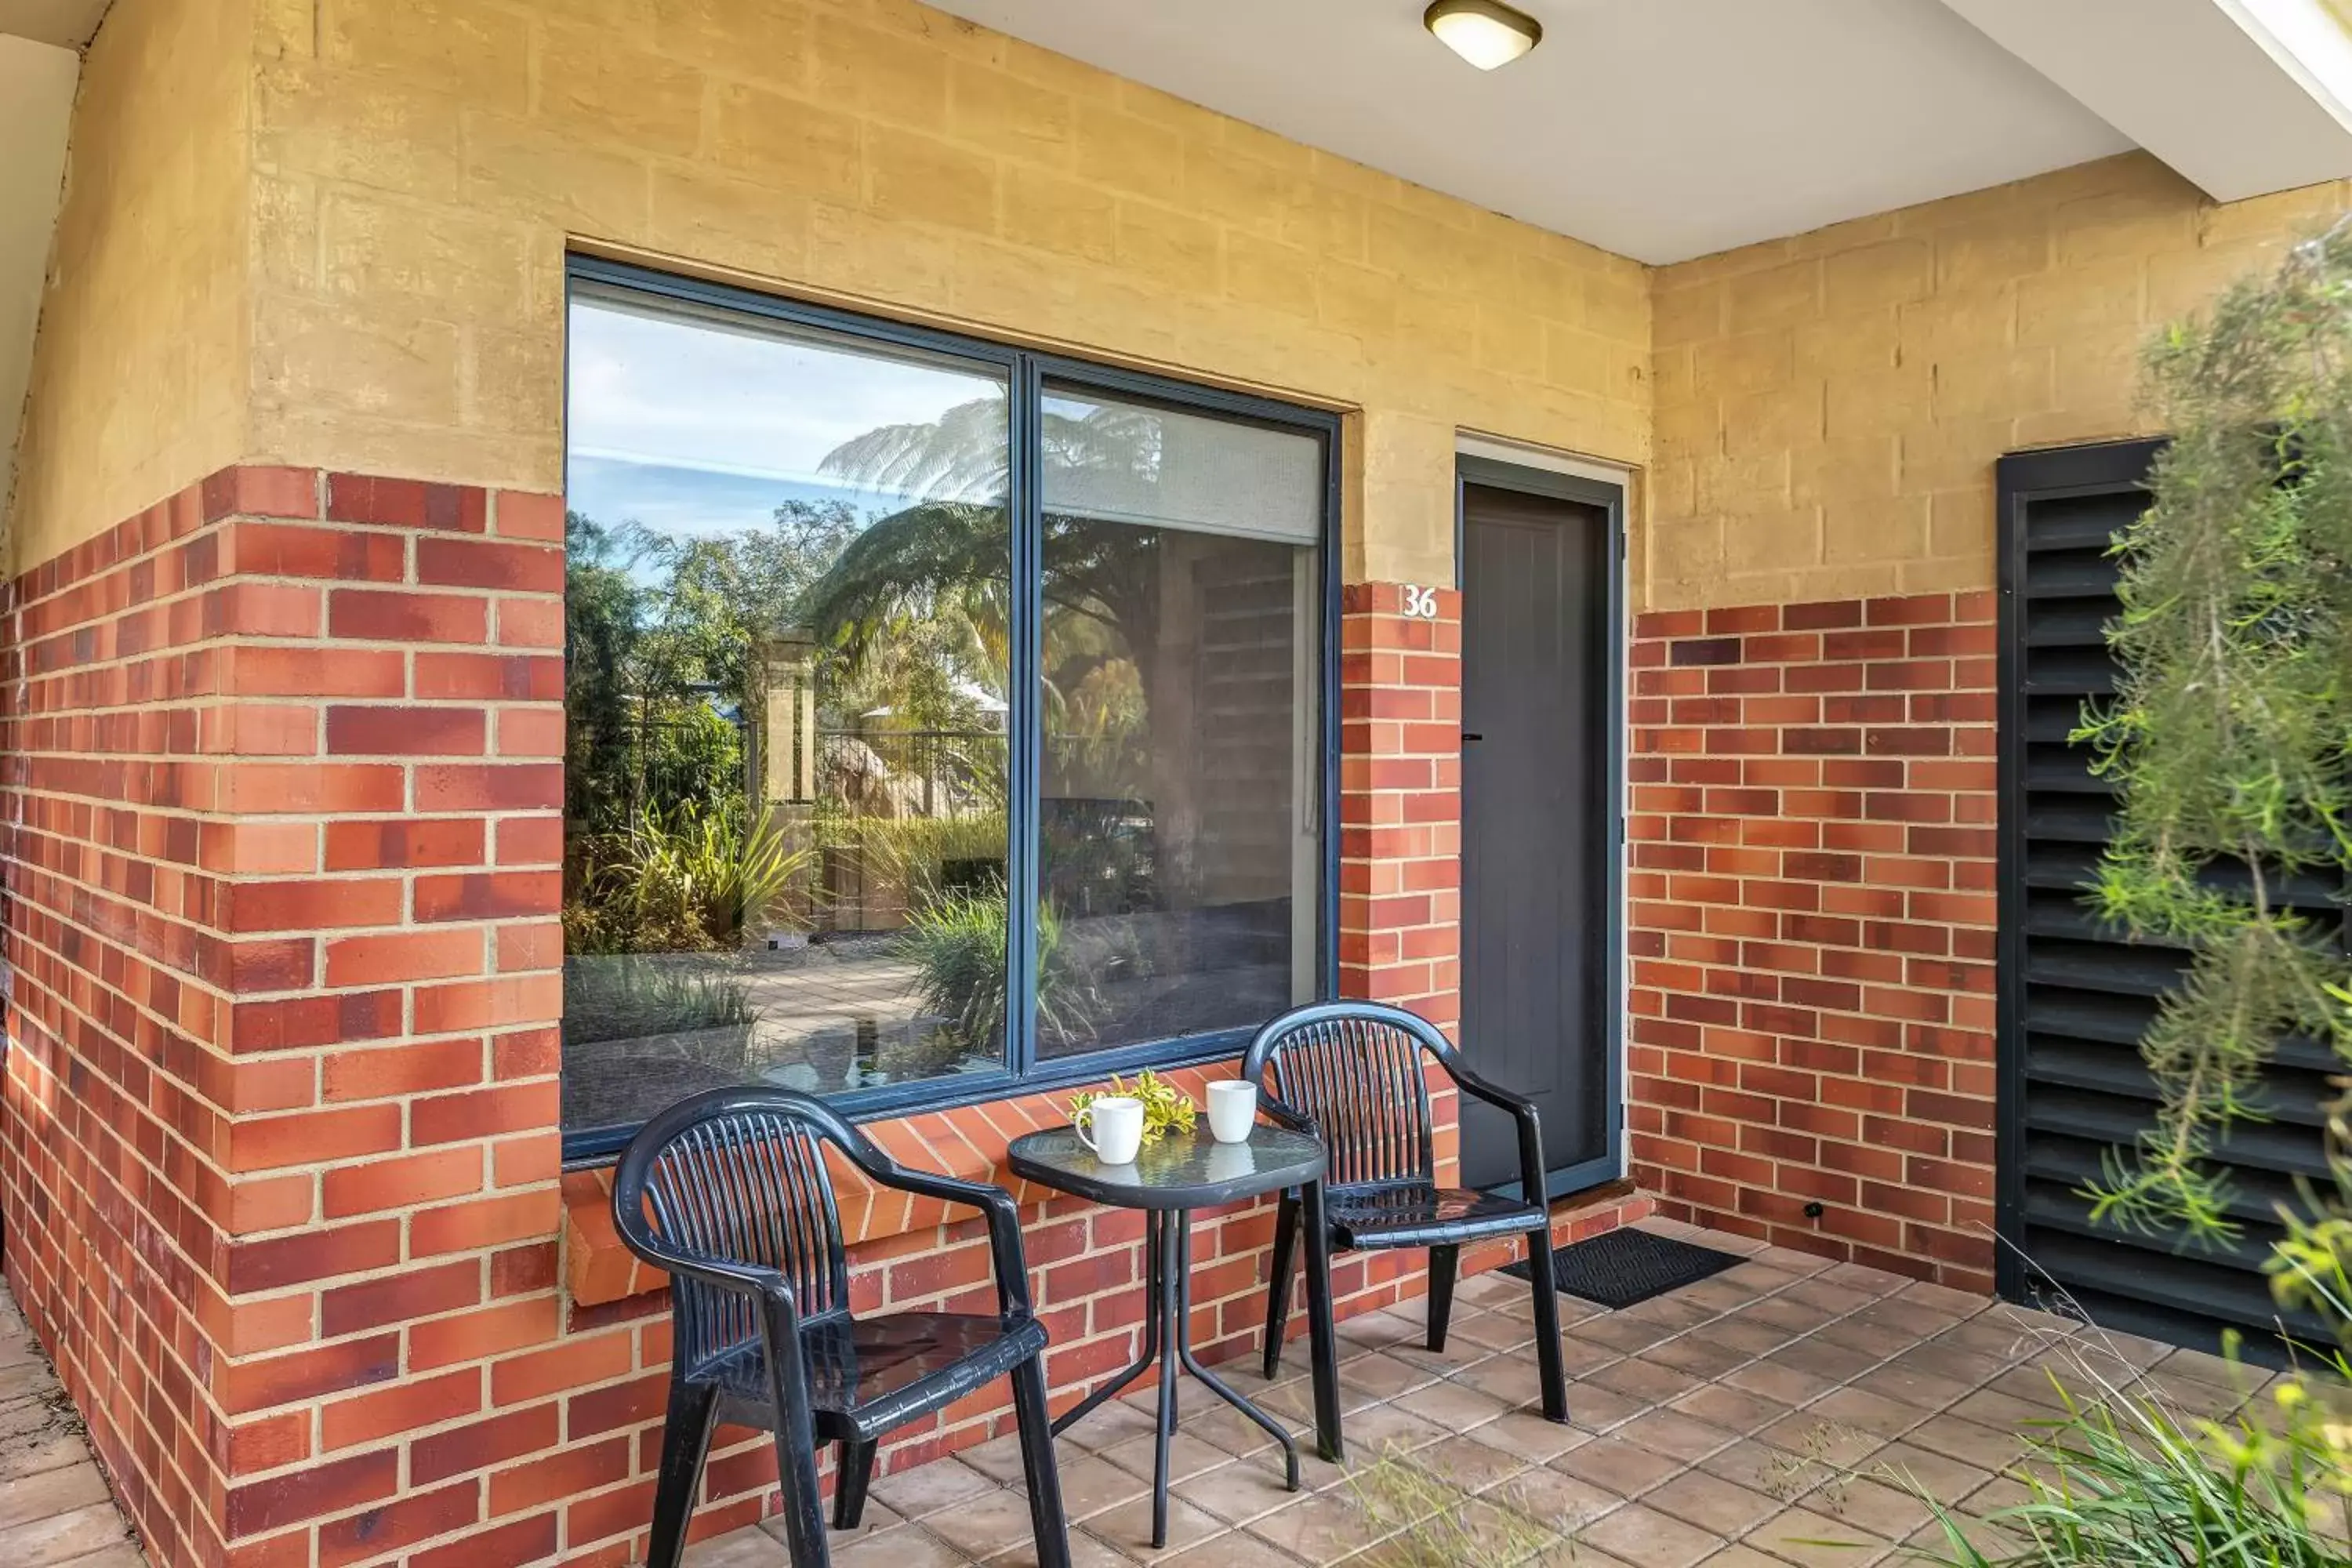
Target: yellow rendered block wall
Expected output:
[1830,407]
[421,166]
[140,379]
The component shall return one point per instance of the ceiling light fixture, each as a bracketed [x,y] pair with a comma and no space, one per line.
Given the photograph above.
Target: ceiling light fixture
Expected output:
[1486,33]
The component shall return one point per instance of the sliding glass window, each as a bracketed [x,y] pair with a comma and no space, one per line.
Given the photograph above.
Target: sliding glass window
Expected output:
[898,666]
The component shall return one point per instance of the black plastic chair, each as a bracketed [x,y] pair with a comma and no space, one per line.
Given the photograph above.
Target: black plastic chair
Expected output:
[1351,1073]
[729,1191]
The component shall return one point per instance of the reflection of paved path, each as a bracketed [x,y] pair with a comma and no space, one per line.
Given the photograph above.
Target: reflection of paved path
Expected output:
[823,990]
[833,1016]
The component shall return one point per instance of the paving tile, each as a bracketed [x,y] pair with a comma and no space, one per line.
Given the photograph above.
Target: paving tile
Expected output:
[1129,1527]
[1735,1410]
[980,1526]
[1921,1389]
[1761,1466]
[1810,1539]
[1996,1409]
[1825,1359]
[1675,1435]
[1626,1334]
[1822,1437]
[1747,1336]
[1776,1379]
[27,1499]
[1739,1555]
[126,1556]
[1640,1533]
[1091,1483]
[909,1547]
[1988,1448]
[1380,1377]
[738,1549]
[1700,1353]
[1598,1409]
[1230,1550]
[1528,1433]
[1781,1310]
[1386,1426]
[1239,1492]
[1759,1279]
[927,1489]
[998,1459]
[1891,1511]
[1564,1502]
[1323,1528]
[1867,1411]
[1873,1341]
[1110,1425]
[1229,1430]
[1494,1330]
[1909,1464]
[1639,1378]
[1187,1455]
[1473,1465]
[72,1537]
[1515,1379]
[1862,1277]
[1454,1408]
[1617,1465]
[1942,1299]
[1087,1550]
[1711,1503]
[876,1520]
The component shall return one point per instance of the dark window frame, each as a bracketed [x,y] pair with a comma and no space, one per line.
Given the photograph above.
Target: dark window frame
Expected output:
[1027,372]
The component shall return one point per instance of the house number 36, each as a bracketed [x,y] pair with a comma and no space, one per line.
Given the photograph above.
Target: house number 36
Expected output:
[1421,604]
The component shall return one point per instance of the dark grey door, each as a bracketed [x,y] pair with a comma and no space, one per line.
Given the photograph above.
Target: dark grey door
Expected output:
[1536,750]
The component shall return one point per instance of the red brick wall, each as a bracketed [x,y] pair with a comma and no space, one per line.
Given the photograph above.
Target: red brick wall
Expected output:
[1811,926]
[278,1159]
[1400,801]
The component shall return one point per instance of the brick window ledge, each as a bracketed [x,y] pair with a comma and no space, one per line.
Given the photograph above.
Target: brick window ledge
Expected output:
[967,1141]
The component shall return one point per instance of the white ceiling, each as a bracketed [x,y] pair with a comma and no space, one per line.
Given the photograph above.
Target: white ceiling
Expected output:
[1658,129]
[69,23]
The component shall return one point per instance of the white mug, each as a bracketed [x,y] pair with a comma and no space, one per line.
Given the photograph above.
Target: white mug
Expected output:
[1233,1109]
[1117,1121]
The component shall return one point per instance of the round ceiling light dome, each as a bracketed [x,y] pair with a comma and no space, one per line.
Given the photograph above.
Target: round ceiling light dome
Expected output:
[1486,33]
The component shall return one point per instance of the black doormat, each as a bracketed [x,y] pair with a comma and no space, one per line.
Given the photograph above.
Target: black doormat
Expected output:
[1622,1267]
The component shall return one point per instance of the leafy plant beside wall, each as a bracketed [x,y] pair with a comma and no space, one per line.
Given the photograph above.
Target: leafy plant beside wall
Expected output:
[2229,741]
[2230,736]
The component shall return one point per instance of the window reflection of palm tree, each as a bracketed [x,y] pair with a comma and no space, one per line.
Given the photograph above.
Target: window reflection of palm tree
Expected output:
[1102,586]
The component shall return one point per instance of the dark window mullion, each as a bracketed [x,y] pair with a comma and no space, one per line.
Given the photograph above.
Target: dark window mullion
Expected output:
[1025,720]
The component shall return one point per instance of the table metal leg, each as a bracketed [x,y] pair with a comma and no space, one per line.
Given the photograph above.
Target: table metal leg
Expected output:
[1170,1283]
[1323,1346]
[1216,1384]
[1167,1339]
[1151,1316]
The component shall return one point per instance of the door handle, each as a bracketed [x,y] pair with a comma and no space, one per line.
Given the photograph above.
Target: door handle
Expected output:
[1472,735]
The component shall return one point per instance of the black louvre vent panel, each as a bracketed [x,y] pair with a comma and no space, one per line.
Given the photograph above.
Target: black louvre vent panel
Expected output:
[2076,997]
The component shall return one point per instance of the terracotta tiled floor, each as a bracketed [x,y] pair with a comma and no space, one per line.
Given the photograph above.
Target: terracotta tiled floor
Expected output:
[1748,1421]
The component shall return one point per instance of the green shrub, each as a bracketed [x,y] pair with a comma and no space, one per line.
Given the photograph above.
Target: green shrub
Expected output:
[628,997]
[2125,1480]
[956,942]
[684,883]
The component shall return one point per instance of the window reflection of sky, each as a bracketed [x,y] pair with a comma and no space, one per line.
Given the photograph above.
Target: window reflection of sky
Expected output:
[708,431]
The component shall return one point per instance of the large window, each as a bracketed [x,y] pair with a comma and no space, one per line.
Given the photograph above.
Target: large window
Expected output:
[942,718]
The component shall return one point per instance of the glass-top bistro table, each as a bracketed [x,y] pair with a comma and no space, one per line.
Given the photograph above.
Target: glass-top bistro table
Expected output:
[1168,1180]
